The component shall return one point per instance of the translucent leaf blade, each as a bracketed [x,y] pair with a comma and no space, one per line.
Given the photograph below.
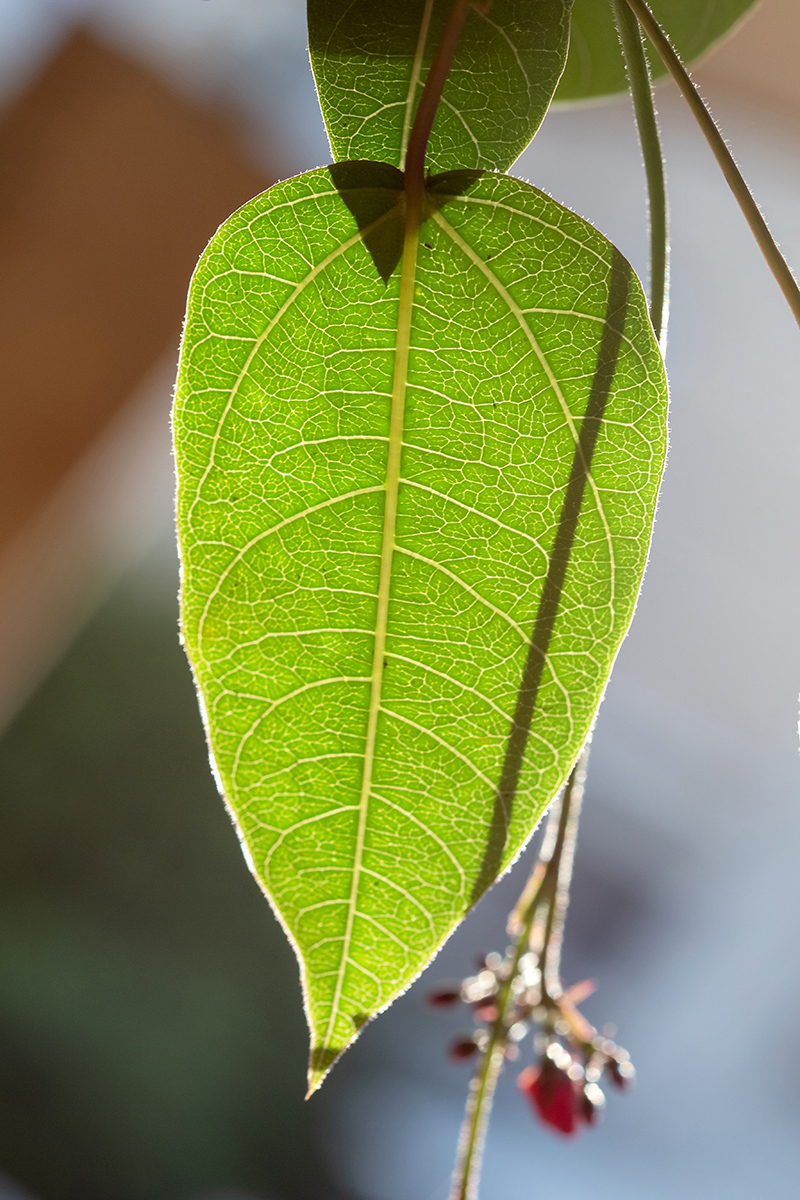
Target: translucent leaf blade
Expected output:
[531,359]
[595,66]
[370,62]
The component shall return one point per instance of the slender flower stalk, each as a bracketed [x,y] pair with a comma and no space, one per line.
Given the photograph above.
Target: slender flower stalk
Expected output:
[752,214]
[644,108]
[537,920]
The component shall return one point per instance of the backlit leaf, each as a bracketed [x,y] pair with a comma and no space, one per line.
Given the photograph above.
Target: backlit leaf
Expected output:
[370,60]
[388,736]
[595,66]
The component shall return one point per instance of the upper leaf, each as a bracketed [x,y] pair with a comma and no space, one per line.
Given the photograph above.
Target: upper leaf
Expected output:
[595,66]
[413,526]
[371,58]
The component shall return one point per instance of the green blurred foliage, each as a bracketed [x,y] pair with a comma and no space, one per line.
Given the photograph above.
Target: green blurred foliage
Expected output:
[152,1040]
[595,66]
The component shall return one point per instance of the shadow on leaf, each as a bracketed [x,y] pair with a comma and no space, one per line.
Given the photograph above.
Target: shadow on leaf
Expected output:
[374,194]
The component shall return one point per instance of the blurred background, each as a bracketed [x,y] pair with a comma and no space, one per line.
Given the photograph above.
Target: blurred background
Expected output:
[152,1044]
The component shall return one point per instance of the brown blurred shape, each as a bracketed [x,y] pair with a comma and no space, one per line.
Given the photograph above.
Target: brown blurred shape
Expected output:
[110,186]
[760,62]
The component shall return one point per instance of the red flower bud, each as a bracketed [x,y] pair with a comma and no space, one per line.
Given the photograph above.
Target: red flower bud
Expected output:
[444,997]
[461,1049]
[553,1095]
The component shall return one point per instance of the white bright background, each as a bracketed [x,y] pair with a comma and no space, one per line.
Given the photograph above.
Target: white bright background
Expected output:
[688,886]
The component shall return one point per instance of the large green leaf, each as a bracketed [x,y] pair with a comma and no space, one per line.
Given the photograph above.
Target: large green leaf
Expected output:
[595,66]
[370,60]
[371,682]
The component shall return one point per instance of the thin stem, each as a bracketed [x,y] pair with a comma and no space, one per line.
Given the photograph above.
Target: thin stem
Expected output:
[642,94]
[564,858]
[416,70]
[546,885]
[466,1176]
[428,105]
[766,243]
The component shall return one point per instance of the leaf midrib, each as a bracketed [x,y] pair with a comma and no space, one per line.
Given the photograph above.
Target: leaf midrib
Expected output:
[392,487]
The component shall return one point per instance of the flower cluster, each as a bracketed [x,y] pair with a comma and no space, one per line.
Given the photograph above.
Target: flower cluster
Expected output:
[509,1001]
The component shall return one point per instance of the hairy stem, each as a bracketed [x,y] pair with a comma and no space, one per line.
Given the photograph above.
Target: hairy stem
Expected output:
[766,243]
[548,888]
[563,861]
[642,93]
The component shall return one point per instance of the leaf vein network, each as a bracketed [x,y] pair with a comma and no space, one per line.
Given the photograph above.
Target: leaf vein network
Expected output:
[524,325]
[306,687]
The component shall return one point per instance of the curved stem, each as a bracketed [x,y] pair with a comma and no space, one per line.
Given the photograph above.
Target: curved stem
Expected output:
[416,71]
[428,105]
[766,243]
[548,884]
[642,94]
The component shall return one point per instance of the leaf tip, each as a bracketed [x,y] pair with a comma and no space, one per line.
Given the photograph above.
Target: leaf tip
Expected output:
[320,1061]
[322,1057]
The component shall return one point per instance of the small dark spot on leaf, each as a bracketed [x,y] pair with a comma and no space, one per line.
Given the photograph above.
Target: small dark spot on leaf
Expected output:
[427,245]
[359,1019]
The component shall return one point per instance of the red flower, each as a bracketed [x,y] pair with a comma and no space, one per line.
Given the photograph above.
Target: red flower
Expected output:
[553,1095]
